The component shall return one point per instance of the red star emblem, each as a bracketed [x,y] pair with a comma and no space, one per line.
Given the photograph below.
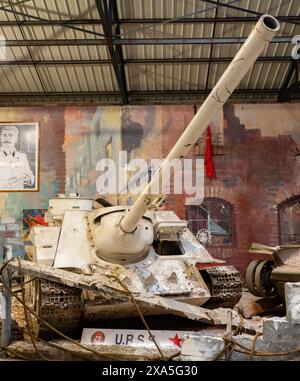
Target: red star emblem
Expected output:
[176,341]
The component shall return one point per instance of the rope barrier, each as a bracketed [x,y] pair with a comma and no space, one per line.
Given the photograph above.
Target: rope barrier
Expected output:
[230,343]
[142,317]
[76,354]
[48,325]
[31,335]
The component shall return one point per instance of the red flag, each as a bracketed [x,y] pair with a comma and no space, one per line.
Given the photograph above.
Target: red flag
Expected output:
[209,165]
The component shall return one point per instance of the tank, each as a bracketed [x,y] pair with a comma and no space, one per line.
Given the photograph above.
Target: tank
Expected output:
[267,277]
[94,258]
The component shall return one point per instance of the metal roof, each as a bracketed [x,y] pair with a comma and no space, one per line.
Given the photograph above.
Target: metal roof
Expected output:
[140,51]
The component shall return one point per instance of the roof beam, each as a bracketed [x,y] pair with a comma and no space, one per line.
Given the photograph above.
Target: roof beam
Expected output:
[197,96]
[183,20]
[55,62]
[291,84]
[35,98]
[211,49]
[240,9]
[55,42]
[201,20]
[197,41]
[139,41]
[45,22]
[137,61]
[199,92]
[118,48]
[107,13]
[226,5]
[29,50]
[112,97]
[153,61]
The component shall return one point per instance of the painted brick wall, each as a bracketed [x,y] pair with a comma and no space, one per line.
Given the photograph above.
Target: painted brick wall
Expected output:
[256,166]
[10,234]
[256,170]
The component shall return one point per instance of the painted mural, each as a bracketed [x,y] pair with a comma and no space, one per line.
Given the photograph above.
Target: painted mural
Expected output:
[256,158]
[102,132]
[31,218]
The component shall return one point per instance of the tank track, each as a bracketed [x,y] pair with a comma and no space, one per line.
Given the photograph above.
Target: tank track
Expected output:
[62,306]
[225,286]
[59,305]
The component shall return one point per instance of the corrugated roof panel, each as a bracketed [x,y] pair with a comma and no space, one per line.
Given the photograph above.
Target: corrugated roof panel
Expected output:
[282,73]
[70,78]
[63,52]
[273,50]
[279,50]
[53,52]
[174,8]
[60,32]
[5,16]
[279,75]
[236,29]
[225,50]
[168,30]
[166,51]
[262,75]
[289,29]
[54,10]
[215,72]
[166,77]
[59,9]
[164,9]
[19,79]
[11,33]
[44,53]
[240,29]
[16,53]
[160,77]
[274,7]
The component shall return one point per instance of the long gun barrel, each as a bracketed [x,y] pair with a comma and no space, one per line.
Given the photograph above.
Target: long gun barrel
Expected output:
[257,41]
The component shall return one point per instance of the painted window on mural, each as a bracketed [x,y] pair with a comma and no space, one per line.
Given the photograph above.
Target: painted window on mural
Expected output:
[212,221]
[289,220]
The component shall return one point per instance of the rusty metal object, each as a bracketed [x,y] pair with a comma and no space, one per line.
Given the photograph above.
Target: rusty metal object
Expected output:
[262,278]
[267,277]
[225,286]
[258,278]
[59,305]
[249,276]
[258,306]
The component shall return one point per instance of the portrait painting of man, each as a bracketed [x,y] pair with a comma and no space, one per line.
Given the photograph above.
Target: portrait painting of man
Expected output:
[19,156]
